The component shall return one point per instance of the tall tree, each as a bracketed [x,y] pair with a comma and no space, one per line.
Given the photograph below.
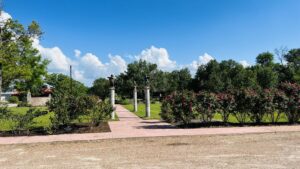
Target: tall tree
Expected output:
[265,59]
[23,66]
[100,88]
[293,64]
[61,84]
[136,72]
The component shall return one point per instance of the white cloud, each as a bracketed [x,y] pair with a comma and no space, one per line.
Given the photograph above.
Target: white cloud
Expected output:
[77,53]
[158,56]
[117,63]
[202,60]
[59,61]
[244,63]
[4,17]
[86,68]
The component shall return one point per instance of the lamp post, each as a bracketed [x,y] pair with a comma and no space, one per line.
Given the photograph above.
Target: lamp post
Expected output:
[112,94]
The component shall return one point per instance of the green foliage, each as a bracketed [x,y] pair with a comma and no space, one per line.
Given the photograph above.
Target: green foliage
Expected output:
[265,59]
[206,105]
[293,64]
[100,88]
[266,77]
[68,108]
[267,105]
[23,66]
[62,85]
[123,101]
[227,104]
[243,107]
[136,71]
[227,75]
[99,111]
[4,112]
[13,99]
[291,100]
[178,80]
[178,107]
[166,110]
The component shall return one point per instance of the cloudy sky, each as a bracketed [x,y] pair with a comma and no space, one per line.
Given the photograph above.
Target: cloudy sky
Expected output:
[101,37]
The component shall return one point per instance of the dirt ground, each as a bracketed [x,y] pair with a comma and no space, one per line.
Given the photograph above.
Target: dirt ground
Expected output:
[279,150]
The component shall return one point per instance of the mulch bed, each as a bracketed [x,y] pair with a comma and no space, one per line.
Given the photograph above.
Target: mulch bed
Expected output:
[71,129]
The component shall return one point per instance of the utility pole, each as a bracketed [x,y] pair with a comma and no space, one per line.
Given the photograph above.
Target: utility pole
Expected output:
[71,80]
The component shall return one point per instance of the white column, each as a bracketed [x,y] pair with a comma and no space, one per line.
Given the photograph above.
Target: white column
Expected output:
[135,99]
[28,97]
[147,97]
[112,101]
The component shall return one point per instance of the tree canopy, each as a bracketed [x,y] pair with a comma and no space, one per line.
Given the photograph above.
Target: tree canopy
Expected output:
[23,66]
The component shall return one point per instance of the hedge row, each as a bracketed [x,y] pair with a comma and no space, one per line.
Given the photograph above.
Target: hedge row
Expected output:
[182,107]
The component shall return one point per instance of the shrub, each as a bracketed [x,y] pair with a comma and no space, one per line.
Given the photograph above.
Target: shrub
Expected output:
[24,104]
[13,99]
[280,101]
[292,107]
[166,110]
[99,112]
[124,101]
[4,112]
[180,108]
[267,104]
[60,104]
[243,105]
[206,105]
[227,104]
[69,108]
[258,104]
[24,122]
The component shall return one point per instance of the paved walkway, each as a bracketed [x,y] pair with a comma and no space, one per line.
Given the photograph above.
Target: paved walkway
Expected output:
[131,126]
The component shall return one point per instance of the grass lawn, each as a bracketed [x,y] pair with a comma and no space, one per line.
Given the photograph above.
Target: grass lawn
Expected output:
[41,121]
[155,110]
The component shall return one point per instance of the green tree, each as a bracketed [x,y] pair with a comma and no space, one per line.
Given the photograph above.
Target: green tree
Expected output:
[100,88]
[208,77]
[23,66]
[179,80]
[265,59]
[136,71]
[62,84]
[266,77]
[293,64]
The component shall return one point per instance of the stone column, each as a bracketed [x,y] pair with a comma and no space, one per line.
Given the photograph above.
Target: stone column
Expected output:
[147,99]
[135,99]
[28,97]
[112,101]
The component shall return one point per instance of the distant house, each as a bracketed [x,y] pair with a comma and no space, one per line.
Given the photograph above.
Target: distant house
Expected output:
[46,89]
[6,95]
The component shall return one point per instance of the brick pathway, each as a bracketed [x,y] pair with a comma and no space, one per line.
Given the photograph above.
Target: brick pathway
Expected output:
[132,126]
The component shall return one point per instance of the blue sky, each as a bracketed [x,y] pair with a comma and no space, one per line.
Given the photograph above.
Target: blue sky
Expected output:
[185,29]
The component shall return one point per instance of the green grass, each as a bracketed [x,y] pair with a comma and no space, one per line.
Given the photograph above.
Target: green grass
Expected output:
[155,110]
[41,121]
